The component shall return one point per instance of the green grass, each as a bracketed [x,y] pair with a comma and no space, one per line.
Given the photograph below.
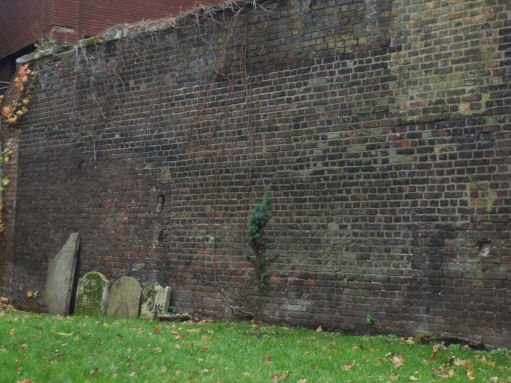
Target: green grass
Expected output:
[44,348]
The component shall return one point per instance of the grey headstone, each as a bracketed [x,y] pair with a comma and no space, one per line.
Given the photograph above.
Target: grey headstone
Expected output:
[92,294]
[124,299]
[155,301]
[61,276]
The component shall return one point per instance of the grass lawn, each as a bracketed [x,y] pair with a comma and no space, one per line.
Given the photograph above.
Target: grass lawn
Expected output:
[46,349]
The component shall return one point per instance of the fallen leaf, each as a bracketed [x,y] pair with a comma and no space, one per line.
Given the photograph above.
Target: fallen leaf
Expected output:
[120,336]
[397,360]
[245,373]
[279,378]
[204,348]
[471,374]
[178,346]
[157,329]
[394,377]
[267,359]
[24,381]
[347,366]
[11,333]
[319,329]
[302,380]
[413,379]
[93,372]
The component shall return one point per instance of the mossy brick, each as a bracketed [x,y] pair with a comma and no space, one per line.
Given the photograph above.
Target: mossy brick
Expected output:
[92,294]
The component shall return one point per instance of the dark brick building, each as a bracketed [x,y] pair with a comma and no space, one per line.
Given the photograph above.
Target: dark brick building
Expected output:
[25,22]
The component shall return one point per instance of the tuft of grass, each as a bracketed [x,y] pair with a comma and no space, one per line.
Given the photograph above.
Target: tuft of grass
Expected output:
[45,348]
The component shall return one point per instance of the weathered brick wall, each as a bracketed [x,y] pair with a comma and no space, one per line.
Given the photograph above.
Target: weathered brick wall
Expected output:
[382,127]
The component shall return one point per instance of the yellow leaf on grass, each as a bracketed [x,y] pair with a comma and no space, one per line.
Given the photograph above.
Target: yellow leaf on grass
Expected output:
[471,374]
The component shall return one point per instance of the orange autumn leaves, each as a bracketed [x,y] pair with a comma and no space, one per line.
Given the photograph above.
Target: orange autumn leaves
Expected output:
[18,107]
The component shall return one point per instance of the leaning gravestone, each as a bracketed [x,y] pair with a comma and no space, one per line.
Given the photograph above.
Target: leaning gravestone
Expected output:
[124,299]
[92,294]
[155,301]
[61,276]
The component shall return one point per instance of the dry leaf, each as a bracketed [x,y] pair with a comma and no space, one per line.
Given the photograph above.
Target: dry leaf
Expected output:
[413,379]
[267,359]
[397,360]
[93,372]
[278,378]
[394,377]
[459,362]
[245,373]
[178,346]
[319,329]
[347,366]
[302,380]
[204,348]
[119,336]
[157,329]
[11,333]
[24,381]
[471,374]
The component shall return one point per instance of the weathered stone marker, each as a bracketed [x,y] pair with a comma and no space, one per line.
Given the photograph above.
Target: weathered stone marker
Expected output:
[61,276]
[124,299]
[92,294]
[155,301]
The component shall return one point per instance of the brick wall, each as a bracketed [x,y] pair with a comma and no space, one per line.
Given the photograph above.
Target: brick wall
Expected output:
[23,22]
[382,127]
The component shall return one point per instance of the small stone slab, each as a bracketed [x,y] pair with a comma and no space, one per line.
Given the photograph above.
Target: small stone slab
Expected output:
[124,299]
[92,294]
[61,276]
[155,301]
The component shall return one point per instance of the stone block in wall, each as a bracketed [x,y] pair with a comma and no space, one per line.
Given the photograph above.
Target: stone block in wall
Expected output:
[92,294]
